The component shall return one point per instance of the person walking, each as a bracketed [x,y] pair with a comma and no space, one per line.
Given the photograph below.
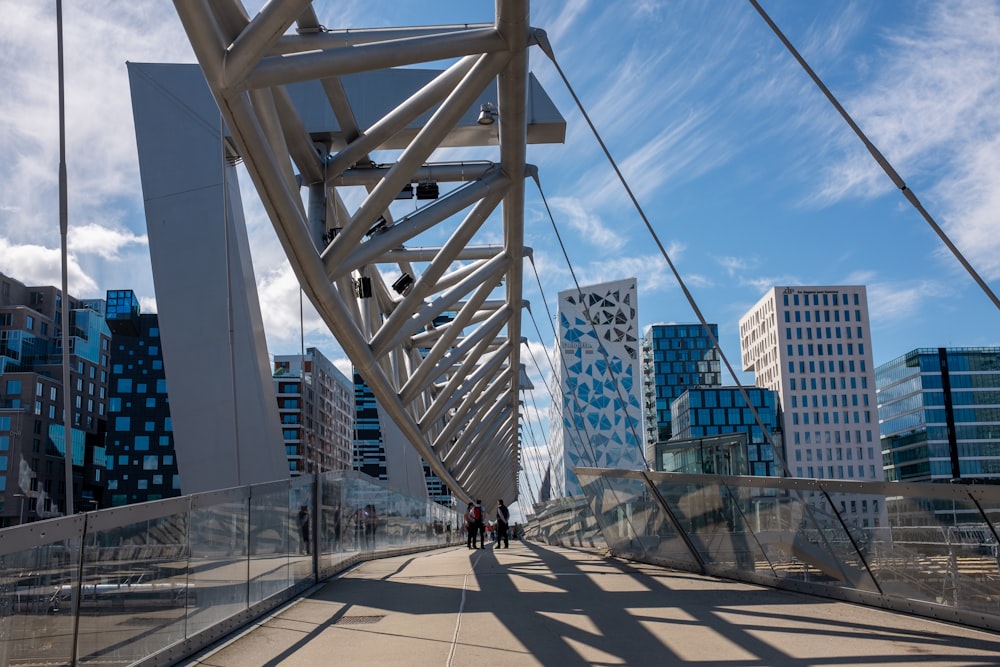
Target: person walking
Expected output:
[470,527]
[304,528]
[480,524]
[500,527]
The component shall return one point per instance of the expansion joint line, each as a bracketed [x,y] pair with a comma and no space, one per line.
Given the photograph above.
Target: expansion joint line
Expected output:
[461,609]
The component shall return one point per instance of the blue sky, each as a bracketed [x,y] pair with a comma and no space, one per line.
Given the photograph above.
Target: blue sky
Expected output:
[748,175]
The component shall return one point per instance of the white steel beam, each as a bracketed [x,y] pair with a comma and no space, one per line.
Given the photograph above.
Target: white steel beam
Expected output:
[438,346]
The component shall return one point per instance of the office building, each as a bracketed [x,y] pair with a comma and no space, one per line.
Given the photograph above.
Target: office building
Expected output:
[939,415]
[316,409]
[32,432]
[596,419]
[141,462]
[709,411]
[381,451]
[675,357]
[812,345]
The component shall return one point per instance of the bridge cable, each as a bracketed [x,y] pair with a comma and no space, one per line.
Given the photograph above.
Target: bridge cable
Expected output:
[779,458]
[533,462]
[590,321]
[878,157]
[582,439]
[603,481]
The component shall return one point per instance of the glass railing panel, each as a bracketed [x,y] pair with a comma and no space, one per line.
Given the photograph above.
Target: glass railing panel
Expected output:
[837,528]
[363,499]
[724,525]
[272,539]
[218,562]
[800,535]
[354,533]
[135,590]
[395,524]
[299,499]
[939,549]
[631,517]
[38,568]
[710,515]
[378,515]
[334,533]
[566,522]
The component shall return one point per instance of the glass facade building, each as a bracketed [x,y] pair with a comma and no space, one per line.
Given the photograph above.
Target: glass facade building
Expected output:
[675,357]
[702,412]
[939,415]
[33,440]
[141,463]
[370,449]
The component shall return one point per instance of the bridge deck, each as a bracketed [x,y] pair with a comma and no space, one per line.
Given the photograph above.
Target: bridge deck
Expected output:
[540,605]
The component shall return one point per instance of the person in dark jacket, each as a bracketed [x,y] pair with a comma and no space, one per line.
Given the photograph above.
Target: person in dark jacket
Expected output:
[503,518]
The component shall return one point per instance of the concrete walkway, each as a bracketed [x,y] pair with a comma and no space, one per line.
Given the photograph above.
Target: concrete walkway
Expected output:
[538,605]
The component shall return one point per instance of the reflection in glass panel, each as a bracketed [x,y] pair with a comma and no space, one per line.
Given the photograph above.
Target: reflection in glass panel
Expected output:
[218,563]
[270,541]
[36,619]
[299,502]
[908,543]
[135,590]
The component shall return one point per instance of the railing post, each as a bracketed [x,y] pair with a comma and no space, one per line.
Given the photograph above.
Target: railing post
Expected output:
[688,542]
[78,585]
[318,520]
[847,531]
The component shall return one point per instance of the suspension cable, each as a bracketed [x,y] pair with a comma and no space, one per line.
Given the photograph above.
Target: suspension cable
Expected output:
[543,43]
[878,157]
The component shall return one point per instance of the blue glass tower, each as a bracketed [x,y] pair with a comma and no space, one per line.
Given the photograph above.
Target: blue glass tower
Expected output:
[141,463]
[675,357]
[701,412]
[939,414]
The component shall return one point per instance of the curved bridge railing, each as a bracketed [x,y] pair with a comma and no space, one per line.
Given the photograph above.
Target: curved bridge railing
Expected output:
[155,582]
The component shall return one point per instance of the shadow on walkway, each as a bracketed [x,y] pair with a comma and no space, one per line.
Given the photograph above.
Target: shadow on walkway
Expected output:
[538,605]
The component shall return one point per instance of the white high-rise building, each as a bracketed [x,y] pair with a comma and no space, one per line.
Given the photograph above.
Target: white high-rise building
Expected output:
[599,420]
[316,405]
[812,345]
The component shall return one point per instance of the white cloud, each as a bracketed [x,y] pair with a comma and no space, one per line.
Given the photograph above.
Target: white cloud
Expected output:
[895,301]
[38,265]
[102,241]
[930,108]
[733,265]
[589,227]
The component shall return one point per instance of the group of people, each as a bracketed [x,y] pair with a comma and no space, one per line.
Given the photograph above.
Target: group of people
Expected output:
[475,525]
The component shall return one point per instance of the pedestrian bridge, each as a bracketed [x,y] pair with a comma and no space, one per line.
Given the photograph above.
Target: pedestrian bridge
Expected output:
[663,567]
[535,604]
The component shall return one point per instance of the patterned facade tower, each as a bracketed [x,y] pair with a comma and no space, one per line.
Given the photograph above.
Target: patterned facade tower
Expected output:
[599,420]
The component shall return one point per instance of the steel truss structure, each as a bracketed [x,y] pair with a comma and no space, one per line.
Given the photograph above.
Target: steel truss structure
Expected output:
[434,329]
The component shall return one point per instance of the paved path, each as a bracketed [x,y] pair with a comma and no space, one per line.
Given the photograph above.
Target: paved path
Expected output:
[538,605]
